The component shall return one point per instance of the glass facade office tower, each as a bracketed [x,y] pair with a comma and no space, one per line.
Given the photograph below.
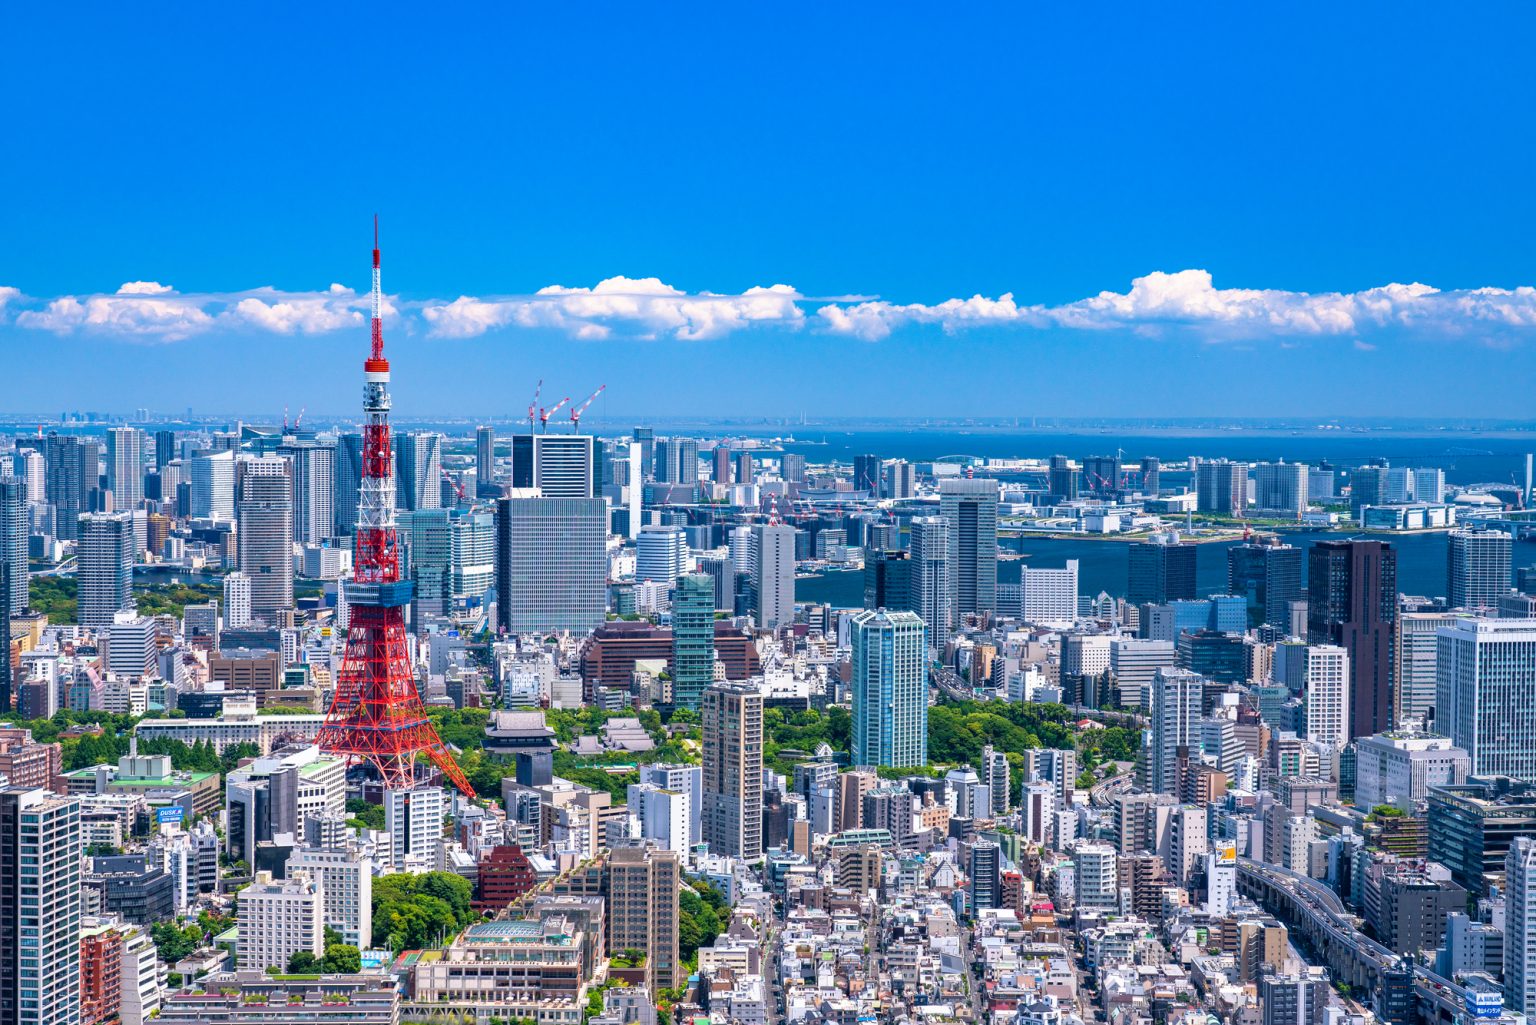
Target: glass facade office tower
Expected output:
[485,462]
[1267,575]
[551,563]
[1352,602]
[264,510]
[418,471]
[693,639]
[1160,573]
[349,481]
[14,530]
[890,689]
[932,598]
[312,466]
[970,509]
[73,480]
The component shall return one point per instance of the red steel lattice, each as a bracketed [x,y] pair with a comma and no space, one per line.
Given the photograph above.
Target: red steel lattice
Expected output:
[376,715]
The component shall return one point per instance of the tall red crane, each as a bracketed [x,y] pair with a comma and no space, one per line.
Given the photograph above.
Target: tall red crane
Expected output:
[533,407]
[545,414]
[376,716]
[576,411]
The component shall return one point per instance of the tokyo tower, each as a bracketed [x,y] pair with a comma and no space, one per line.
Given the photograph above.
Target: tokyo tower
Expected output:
[376,715]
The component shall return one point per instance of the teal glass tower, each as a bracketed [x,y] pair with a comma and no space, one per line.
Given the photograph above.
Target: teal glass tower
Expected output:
[693,639]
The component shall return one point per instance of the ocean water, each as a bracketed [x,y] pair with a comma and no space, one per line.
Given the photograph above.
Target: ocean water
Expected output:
[1104,565]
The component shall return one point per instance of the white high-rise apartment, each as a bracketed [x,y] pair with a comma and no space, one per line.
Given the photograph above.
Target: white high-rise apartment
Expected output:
[105,567]
[662,815]
[125,467]
[928,551]
[1050,595]
[1478,567]
[1485,671]
[1520,926]
[278,919]
[418,471]
[312,469]
[414,821]
[237,601]
[1280,487]
[1327,695]
[41,844]
[1175,720]
[345,875]
[773,575]
[1098,878]
[32,469]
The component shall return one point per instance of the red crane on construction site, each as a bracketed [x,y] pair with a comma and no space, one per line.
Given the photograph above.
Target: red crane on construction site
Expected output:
[576,411]
[545,414]
[533,407]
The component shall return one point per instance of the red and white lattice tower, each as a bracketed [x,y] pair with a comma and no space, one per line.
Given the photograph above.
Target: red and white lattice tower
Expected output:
[376,715]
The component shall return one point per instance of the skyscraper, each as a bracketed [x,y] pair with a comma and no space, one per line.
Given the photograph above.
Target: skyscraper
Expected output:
[732,715]
[418,470]
[693,639]
[1520,926]
[1221,487]
[559,465]
[106,567]
[472,554]
[1484,698]
[125,467]
[1161,572]
[426,558]
[312,472]
[866,474]
[887,580]
[1280,487]
[551,563]
[264,509]
[73,468]
[661,554]
[773,575]
[932,597]
[1151,476]
[970,509]
[1478,567]
[1175,724]
[485,462]
[41,847]
[890,689]
[13,542]
[165,447]
[720,461]
[1352,602]
[1268,575]
[645,437]
[1102,475]
[1414,665]
[213,485]
[1061,479]
[677,460]
[349,479]
[746,472]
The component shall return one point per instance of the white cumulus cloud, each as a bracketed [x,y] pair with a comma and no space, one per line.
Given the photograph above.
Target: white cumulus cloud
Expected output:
[1184,303]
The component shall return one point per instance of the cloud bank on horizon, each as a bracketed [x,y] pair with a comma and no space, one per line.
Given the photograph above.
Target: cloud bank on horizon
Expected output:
[1161,304]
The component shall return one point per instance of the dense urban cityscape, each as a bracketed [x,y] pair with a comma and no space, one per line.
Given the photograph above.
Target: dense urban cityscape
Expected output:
[529,724]
[809,514]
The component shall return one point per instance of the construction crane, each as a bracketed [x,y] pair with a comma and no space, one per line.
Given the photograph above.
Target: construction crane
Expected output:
[576,411]
[533,407]
[545,414]
[456,484]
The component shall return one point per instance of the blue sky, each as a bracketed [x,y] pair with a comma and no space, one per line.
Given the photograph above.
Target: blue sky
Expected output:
[876,160]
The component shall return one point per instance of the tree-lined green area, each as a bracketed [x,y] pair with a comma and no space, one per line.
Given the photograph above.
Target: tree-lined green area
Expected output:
[703,915]
[55,597]
[958,730]
[414,911]
[172,599]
